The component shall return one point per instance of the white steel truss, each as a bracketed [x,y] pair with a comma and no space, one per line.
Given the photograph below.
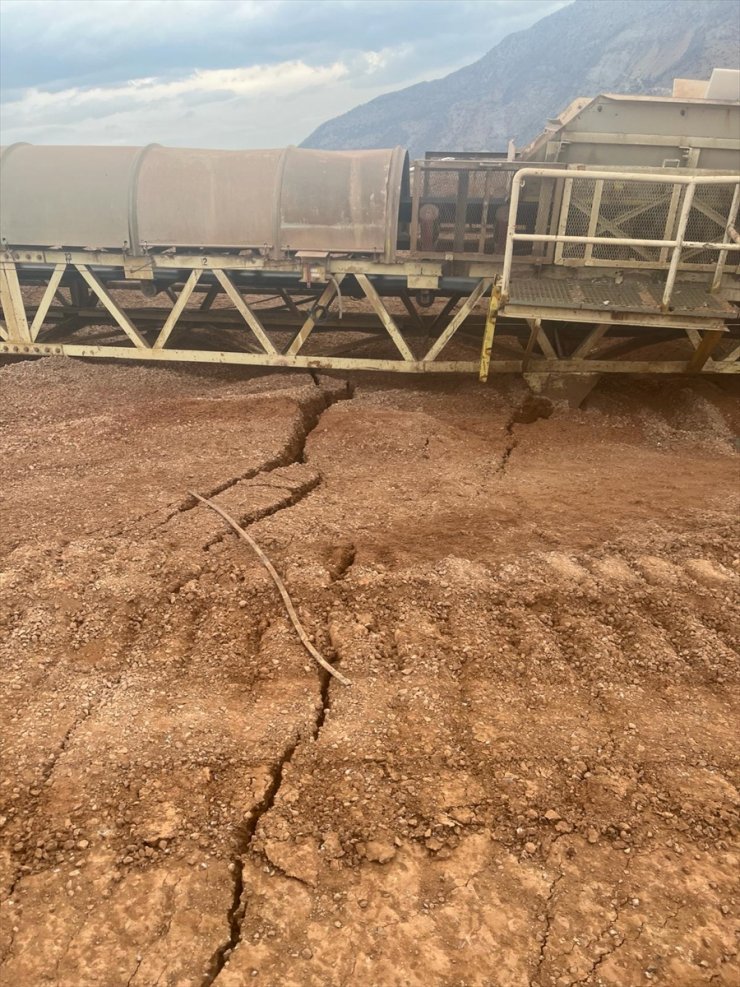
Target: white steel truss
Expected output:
[54,324]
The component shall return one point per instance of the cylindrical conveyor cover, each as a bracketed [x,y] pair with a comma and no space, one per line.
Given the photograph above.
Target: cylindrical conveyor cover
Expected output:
[276,201]
[65,196]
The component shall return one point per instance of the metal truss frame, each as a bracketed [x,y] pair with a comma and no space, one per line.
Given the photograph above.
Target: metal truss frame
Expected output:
[52,325]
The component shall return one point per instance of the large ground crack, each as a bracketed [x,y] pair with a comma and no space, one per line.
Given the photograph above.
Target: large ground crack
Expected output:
[310,409]
[236,912]
[531,409]
[248,829]
[548,925]
[290,499]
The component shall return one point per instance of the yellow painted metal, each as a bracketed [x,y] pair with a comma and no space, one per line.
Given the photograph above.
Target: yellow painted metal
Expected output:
[385,317]
[728,366]
[41,311]
[488,333]
[20,339]
[246,312]
[11,298]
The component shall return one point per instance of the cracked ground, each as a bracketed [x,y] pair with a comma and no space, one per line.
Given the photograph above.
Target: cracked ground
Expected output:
[532,778]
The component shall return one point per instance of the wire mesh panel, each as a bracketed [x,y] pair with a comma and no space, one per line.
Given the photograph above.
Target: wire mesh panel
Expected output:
[619,209]
[708,220]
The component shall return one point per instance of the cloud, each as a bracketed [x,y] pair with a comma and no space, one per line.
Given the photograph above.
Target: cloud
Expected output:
[40,104]
[227,73]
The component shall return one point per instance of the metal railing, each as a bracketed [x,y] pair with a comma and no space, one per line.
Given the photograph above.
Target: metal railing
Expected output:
[684,186]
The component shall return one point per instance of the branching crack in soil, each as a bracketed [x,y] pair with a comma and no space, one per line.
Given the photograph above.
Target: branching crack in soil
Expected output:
[511,445]
[293,452]
[236,910]
[249,828]
[511,442]
[530,410]
[235,915]
[292,498]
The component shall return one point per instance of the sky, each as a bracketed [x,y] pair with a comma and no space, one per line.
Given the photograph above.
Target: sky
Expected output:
[226,73]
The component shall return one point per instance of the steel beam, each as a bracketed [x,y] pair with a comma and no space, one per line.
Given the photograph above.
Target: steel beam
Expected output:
[460,316]
[244,310]
[177,309]
[14,309]
[325,299]
[118,314]
[385,317]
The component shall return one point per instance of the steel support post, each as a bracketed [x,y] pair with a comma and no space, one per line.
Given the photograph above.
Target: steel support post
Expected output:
[488,334]
[14,310]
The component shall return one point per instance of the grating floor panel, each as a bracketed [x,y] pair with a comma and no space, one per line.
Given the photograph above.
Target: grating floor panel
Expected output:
[605,295]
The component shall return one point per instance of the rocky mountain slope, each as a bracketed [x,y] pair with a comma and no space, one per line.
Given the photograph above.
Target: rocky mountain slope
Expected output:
[588,47]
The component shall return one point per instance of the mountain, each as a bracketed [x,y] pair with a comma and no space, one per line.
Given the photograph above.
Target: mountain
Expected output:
[589,47]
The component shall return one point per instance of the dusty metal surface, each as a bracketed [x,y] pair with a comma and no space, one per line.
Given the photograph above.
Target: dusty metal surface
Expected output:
[277,202]
[655,251]
[684,198]
[639,296]
[66,196]
[642,131]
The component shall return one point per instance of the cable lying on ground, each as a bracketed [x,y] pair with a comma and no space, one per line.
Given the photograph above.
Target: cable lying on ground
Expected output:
[278,582]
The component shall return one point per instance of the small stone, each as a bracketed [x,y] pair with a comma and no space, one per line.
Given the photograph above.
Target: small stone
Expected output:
[552,816]
[530,847]
[379,852]
[563,827]
[592,835]
[83,844]
[433,844]
[306,953]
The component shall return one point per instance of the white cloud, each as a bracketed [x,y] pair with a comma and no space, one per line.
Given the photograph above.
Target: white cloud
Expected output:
[225,73]
[258,106]
[285,76]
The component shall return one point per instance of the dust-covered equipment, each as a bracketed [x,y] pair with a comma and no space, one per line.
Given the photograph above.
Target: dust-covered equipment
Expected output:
[613,231]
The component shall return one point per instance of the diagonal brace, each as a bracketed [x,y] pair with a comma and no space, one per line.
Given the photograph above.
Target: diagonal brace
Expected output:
[177,308]
[244,310]
[704,350]
[384,315]
[325,299]
[118,314]
[14,311]
[46,299]
[587,344]
[460,316]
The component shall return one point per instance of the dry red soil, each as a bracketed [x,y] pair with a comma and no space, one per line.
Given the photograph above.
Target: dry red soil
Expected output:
[532,778]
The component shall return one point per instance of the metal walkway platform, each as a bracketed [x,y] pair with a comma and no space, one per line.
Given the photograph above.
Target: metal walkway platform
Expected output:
[642,297]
